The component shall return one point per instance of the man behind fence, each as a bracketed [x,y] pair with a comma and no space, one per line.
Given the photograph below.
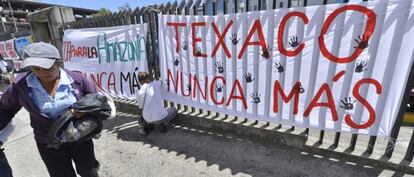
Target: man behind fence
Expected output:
[150,101]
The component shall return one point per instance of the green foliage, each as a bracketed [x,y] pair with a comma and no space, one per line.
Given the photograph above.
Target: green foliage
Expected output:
[102,11]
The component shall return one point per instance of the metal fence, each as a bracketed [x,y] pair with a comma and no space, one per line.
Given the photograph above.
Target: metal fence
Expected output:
[208,7]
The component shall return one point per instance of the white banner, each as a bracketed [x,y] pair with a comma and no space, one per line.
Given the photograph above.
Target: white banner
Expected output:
[3,50]
[340,67]
[11,50]
[109,57]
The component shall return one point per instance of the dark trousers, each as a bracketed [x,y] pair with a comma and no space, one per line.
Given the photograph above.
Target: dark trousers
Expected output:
[59,161]
[5,170]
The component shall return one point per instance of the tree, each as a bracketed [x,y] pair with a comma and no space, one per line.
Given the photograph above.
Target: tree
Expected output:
[102,11]
[124,7]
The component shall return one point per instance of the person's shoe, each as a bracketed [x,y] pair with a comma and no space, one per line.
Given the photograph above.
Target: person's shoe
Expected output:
[149,127]
[145,129]
[142,131]
[163,128]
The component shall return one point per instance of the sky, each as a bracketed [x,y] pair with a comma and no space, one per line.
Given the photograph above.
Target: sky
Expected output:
[109,4]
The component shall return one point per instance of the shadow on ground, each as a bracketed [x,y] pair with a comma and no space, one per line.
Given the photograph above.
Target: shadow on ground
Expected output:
[236,153]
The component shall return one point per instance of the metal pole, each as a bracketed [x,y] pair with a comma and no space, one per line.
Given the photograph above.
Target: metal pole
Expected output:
[2,23]
[14,20]
[236,6]
[63,21]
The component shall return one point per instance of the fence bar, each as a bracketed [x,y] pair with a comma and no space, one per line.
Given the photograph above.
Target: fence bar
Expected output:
[355,135]
[180,7]
[187,12]
[322,133]
[306,132]
[353,141]
[151,47]
[247,10]
[397,125]
[170,10]
[225,7]
[236,7]
[174,10]
[260,5]
[410,150]
[247,6]
[178,11]
[156,52]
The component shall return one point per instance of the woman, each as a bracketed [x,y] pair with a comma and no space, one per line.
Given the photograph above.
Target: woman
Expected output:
[45,93]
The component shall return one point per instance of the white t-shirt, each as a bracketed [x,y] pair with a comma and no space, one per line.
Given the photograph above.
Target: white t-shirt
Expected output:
[153,107]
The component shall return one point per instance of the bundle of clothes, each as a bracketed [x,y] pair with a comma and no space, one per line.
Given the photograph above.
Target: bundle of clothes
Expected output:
[67,129]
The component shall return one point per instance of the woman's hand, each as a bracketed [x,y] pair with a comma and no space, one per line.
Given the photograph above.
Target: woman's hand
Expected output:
[77,114]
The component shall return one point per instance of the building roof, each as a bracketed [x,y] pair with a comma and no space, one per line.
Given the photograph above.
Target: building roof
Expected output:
[41,5]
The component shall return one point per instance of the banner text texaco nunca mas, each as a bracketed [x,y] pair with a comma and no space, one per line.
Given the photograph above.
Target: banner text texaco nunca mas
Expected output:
[340,67]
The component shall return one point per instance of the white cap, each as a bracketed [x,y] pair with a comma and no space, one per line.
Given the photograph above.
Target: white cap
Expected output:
[40,54]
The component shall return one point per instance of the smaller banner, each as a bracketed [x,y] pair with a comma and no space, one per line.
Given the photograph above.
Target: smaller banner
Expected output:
[109,57]
[11,50]
[20,43]
[3,52]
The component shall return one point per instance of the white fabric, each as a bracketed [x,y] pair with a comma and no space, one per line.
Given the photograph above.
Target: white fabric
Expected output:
[5,133]
[206,72]
[3,66]
[7,50]
[110,57]
[149,99]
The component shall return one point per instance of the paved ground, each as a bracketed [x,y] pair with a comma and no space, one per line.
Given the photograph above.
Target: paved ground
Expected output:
[181,152]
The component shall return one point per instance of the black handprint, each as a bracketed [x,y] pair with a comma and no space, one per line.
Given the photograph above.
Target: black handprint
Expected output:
[256,97]
[279,67]
[234,39]
[176,61]
[219,87]
[188,87]
[198,51]
[360,67]
[219,67]
[299,88]
[348,104]
[168,82]
[185,45]
[362,42]
[265,53]
[294,41]
[248,77]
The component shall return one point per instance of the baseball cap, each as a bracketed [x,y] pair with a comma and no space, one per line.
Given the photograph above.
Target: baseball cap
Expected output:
[40,54]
